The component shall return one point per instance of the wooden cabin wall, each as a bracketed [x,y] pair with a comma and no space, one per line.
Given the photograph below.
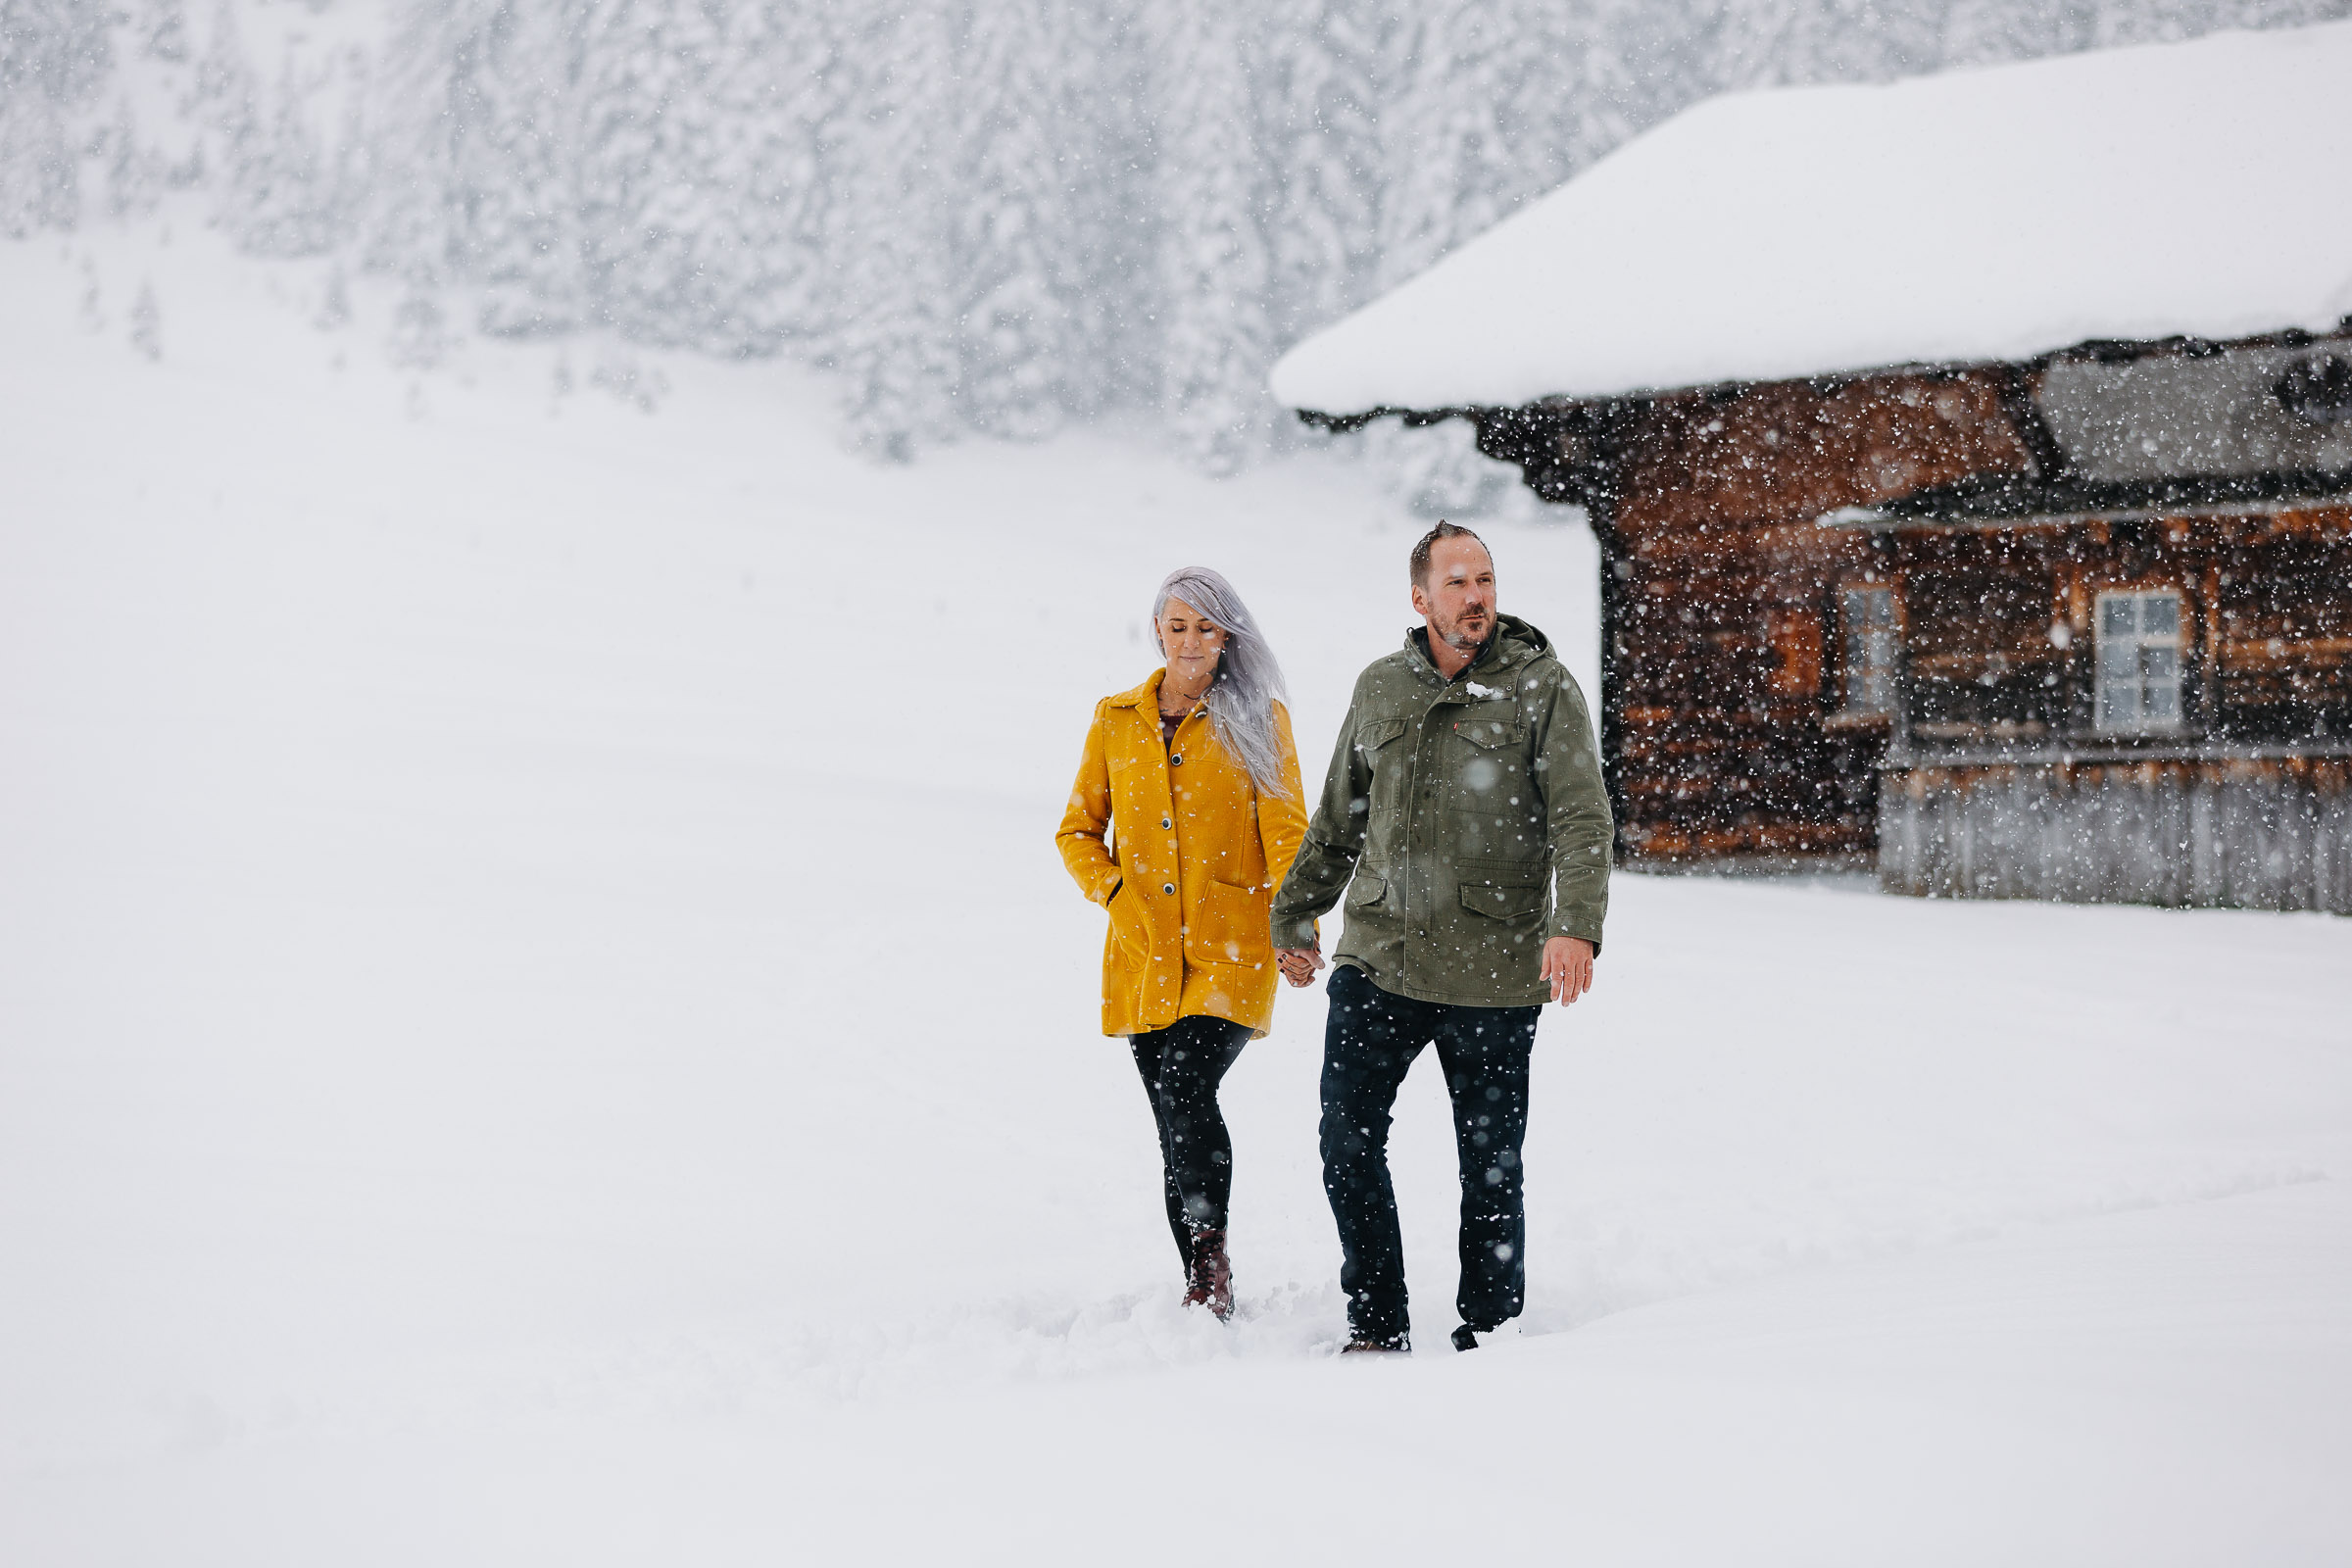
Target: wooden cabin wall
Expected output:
[1723,681]
[2280,590]
[1982,662]
[2000,646]
[2010,789]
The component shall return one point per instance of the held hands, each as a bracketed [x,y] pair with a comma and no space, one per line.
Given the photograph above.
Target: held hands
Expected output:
[1298,964]
[1568,968]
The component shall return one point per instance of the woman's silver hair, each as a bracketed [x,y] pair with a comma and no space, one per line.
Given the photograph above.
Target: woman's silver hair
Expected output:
[1247,684]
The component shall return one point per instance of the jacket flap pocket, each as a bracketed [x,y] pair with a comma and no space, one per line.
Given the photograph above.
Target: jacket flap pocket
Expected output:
[1503,904]
[1369,887]
[1499,873]
[1479,729]
[1373,734]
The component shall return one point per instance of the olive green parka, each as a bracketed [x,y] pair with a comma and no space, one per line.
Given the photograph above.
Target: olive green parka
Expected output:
[1465,820]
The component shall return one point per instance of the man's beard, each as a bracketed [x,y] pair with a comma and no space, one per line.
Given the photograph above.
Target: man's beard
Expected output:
[1461,641]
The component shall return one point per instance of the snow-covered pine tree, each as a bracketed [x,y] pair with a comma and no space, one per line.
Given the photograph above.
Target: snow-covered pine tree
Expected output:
[1616,60]
[2118,22]
[1216,342]
[641,194]
[353,170]
[146,323]
[420,334]
[1765,43]
[720,247]
[283,196]
[1318,92]
[55,55]
[1014,254]
[784,105]
[889,238]
[228,112]
[523,230]
[1979,33]
[1106,205]
[134,175]
[1462,69]
[427,106]
[163,30]
[334,303]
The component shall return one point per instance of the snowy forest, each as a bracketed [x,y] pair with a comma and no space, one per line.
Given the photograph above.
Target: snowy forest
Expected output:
[983,218]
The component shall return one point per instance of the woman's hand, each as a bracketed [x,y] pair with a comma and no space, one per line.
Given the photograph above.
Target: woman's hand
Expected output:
[1298,964]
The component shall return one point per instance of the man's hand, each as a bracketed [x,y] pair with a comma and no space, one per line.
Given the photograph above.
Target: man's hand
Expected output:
[1567,969]
[1298,964]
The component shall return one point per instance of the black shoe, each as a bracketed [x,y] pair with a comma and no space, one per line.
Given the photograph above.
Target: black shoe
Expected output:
[1471,1335]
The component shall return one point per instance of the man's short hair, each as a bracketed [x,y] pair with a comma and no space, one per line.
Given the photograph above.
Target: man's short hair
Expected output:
[1428,542]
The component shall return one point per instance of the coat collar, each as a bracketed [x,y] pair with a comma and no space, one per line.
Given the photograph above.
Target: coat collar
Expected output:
[1147,692]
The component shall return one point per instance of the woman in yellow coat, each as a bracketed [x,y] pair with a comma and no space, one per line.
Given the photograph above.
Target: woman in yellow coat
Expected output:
[1184,819]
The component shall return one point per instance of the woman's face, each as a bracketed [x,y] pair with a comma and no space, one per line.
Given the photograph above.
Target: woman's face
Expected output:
[1191,642]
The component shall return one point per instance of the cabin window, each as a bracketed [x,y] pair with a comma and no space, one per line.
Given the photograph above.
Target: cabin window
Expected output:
[1868,618]
[2139,660]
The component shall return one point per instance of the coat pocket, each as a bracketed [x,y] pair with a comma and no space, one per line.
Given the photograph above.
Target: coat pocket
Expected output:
[1228,925]
[1373,734]
[1368,888]
[1129,927]
[1491,734]
[1503,904]
[1502,889]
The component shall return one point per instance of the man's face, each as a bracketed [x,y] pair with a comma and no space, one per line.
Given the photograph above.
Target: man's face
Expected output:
[1458,602]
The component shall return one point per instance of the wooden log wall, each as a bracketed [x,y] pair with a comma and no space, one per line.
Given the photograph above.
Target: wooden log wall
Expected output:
[2265,834]
[1999,644]
[1723,687]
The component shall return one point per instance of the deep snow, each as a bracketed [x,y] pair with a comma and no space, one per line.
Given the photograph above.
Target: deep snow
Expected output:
[540,1022]
[1994,213]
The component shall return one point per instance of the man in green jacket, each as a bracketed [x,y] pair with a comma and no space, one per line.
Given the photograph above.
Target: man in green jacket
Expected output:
[1464,818]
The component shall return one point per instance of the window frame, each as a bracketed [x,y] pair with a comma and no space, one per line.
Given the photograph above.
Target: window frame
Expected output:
[2177,643]
[1862,677]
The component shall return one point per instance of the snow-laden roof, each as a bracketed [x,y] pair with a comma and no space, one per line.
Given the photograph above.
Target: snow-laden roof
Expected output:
[2198,188]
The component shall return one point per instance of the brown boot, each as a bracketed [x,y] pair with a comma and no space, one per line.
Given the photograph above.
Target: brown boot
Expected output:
[1377,1344]
[1211,1280]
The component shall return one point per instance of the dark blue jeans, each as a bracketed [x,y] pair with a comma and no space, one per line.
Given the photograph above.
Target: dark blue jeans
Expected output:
[1182,1066]
[1369,1042]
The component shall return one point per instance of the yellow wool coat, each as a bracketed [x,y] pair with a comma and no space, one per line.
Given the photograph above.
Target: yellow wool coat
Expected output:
[1182,848]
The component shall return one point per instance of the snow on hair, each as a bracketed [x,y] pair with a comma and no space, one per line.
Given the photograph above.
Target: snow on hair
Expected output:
[1249,682]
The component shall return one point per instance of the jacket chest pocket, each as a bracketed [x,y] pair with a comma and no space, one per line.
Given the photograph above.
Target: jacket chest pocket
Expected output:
[1374,733]
[1491,748]
[1492,730]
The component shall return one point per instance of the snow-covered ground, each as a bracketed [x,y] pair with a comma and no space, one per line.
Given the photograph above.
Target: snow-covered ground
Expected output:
[540,1022]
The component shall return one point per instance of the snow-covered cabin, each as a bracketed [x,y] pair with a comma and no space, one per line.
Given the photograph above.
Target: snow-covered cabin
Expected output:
[1972,462]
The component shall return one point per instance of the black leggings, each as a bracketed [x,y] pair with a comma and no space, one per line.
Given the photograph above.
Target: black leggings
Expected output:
[1182,1065]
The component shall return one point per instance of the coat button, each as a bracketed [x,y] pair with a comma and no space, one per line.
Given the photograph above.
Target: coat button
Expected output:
[1170,888]
[1176,760]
